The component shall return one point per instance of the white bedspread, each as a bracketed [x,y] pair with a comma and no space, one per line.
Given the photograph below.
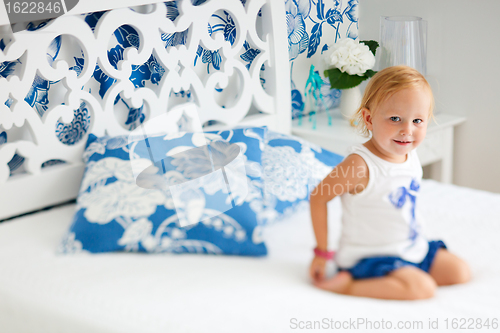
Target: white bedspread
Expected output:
[119,292]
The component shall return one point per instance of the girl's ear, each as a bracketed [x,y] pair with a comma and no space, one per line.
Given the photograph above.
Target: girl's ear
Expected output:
[367,118]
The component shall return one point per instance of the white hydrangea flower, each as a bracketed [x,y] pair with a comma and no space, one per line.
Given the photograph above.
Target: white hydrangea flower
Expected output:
[351,57]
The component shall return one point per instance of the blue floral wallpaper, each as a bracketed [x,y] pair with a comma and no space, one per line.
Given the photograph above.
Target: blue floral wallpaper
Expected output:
[313,26]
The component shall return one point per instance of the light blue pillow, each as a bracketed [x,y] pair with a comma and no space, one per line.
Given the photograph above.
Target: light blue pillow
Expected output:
[113,213]
[292,168]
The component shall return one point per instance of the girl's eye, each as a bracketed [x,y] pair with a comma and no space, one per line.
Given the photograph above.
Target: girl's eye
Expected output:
[395,118]
[417,121]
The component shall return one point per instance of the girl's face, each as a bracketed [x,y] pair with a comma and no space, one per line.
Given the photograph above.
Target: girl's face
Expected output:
[399,124]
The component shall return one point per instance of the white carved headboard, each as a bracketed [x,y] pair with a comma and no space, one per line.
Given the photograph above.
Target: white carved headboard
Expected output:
[237,77]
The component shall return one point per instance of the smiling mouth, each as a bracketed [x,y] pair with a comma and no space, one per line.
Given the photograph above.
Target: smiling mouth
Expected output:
[402,143]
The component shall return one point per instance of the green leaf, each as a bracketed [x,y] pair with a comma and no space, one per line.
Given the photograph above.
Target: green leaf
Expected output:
[339,80]
[371,44]
[370,73]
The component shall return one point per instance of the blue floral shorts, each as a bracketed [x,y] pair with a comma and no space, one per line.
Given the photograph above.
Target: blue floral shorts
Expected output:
[380,266]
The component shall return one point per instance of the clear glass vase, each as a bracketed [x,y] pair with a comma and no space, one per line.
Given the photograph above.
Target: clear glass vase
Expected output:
[403,41]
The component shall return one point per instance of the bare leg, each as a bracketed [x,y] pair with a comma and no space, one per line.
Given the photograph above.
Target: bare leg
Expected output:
[448,269]
[405,283]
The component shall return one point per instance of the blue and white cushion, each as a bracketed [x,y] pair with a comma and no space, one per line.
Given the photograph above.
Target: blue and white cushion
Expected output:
[292,168]
[113,213]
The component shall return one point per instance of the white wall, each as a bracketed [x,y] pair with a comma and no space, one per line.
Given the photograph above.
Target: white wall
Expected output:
[463,68]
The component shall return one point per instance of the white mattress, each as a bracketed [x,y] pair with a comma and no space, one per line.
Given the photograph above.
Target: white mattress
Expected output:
[118,292]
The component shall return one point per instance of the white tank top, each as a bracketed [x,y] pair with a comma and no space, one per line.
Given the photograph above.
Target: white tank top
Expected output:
[382,219]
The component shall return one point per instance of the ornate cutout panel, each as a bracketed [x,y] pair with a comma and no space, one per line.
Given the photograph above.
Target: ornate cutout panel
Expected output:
[107,72]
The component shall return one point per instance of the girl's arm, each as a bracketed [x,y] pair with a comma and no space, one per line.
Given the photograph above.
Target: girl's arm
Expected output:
[351,175]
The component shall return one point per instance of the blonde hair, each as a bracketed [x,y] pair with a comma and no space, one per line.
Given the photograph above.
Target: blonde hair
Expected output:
[383,85]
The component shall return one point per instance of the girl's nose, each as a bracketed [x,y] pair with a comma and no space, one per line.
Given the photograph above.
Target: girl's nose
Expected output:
[405,130]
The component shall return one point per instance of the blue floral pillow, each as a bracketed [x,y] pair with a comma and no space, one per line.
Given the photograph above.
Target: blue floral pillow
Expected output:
[116,210]
[292,168]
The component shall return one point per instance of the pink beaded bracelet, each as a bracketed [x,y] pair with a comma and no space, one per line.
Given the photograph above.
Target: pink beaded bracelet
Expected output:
[328,255]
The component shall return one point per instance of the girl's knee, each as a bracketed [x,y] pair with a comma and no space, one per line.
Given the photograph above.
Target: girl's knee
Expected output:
[457,272]
[423,287]
[462,273]
[418,284]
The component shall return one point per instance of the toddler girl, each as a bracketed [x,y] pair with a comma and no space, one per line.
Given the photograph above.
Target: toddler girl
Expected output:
[382,252]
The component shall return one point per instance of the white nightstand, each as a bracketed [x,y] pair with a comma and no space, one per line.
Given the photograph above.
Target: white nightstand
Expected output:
[436,150]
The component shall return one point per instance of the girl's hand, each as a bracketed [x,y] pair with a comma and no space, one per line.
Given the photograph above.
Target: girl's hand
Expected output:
[317,269]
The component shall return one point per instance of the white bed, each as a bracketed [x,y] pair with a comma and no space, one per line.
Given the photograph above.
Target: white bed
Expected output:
[118,292]
[121,292]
